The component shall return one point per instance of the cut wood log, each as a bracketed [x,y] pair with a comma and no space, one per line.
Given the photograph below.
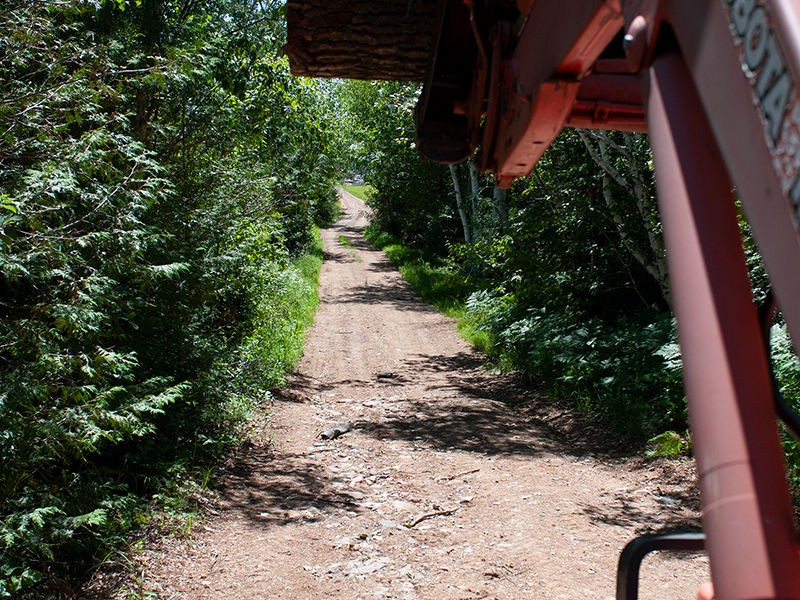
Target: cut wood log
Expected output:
[361,39]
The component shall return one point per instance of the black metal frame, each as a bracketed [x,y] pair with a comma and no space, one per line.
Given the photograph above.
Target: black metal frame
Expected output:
[631,557]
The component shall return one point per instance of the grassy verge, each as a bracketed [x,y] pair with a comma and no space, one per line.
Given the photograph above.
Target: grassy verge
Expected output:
[284,308]
[359,191]
[310,264]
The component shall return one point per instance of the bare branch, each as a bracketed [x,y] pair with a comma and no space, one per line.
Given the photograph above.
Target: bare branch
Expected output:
[603,162]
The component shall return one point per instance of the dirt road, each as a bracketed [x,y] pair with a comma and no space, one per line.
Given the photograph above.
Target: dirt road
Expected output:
[454,483]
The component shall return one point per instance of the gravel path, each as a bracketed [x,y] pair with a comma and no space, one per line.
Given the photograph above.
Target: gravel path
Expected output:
[453,483]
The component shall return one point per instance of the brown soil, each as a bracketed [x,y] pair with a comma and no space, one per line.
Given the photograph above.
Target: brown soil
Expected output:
[454,483]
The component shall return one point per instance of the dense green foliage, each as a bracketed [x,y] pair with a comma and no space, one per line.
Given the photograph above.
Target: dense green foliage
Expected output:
[568,303]
[409,197]
[160,177]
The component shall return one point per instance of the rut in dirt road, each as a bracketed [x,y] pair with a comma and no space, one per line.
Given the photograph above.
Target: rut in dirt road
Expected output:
[452,483]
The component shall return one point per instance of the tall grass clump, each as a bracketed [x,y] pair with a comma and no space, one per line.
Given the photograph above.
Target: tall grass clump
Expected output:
[283,307]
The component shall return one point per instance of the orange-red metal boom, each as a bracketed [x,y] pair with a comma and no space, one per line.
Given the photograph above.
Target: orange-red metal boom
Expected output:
[715,84]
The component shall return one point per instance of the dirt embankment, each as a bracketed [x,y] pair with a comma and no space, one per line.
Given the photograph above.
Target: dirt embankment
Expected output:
[454,482]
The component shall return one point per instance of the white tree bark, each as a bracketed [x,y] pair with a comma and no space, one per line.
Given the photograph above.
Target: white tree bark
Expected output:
[655,261]
[499,197]
[460,205]
[473,179]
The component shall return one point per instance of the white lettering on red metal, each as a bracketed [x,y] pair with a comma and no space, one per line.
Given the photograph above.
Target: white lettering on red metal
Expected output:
[774,93]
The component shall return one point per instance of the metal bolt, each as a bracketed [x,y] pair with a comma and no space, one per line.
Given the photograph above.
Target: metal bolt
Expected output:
[636,44]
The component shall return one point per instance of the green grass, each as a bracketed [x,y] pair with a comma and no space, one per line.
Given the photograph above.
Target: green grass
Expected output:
[359,191]
[345,242]
[349,245]
[310,264]
[283,309]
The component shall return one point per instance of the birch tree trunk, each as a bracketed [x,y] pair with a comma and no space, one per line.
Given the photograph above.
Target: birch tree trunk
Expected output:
[473,180]
[499,197]
[460,204]
[652,258]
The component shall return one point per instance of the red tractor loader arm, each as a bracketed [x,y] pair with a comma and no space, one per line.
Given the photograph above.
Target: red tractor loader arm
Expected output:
[715,85]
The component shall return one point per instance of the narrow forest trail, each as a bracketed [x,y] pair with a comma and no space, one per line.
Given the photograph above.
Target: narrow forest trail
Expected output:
[513,511]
